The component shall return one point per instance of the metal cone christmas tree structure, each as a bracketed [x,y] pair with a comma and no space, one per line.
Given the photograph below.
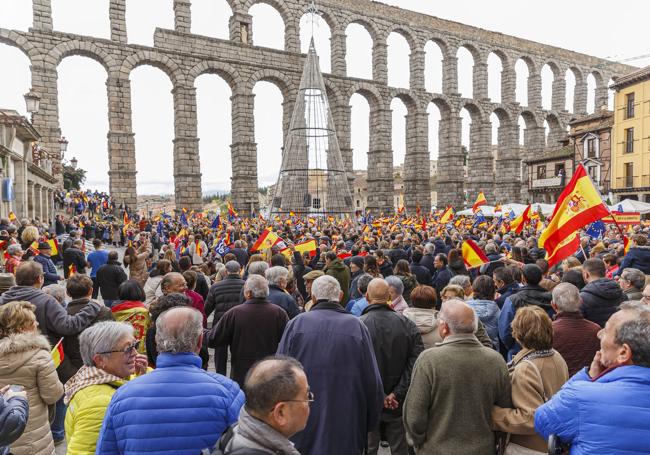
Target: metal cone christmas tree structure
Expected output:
[312,178]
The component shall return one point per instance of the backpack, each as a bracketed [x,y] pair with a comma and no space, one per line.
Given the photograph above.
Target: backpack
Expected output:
[220,446]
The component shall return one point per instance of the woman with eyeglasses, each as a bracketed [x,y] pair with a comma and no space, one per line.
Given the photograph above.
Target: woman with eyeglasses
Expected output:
[110,357]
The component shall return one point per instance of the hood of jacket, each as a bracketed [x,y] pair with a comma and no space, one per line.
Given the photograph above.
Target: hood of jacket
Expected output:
[532,295]
[21,293]
[425,319]
[336,265]
[18,348]
[604,288]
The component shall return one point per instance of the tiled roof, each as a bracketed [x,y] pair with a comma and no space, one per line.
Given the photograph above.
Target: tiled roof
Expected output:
[639,75]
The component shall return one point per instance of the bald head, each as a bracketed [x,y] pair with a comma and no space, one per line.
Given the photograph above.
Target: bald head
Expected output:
[179,329]
[173,282]
[459,317]
[378,291]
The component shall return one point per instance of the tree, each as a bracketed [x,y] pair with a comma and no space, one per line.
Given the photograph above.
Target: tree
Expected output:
[73,178]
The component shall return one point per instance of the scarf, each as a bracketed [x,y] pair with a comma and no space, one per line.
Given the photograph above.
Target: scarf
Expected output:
[264,435]
[87,376]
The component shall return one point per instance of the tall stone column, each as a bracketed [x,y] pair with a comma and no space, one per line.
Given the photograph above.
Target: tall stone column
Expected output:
[534,143]
[244,154]
[449,182]
[450,75]
[380,163]
[480,81]
[417,181]
[117,16]
[380,62]
[46,120]
[292,37]
[187,167]
[534,90]
[602,97]
[42,14]
[507,178]
[121,143]
[580,97]
[508,84]
[182,16]
[241,27]
[30,199]
[341,115]
[416,64]
[481,162]
[20,177]
[559,94]
[38,202]
[338,45]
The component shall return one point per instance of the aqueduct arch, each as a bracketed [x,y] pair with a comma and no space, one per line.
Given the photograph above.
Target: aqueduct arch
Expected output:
[184,56]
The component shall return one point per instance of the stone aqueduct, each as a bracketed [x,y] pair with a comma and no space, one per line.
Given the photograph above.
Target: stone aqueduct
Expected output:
[184,56]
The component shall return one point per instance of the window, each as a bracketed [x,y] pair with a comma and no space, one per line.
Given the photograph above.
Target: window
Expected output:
[541,172]
[559,167]
[629,174]
[629,140]
[629,105]
[316,203]
[591,147]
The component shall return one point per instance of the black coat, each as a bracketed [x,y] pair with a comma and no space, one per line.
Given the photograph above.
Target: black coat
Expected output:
[600,299]
[441,279]
[76,257]
[282,299]
[397,254]
[109,278]
[223,296]
[397,343]
[241,255]
[202,286]
[422,274]
[427,261]
[386,269]
[505,292]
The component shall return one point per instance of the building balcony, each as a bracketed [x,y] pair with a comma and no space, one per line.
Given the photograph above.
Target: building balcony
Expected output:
[545,183]
[630,181]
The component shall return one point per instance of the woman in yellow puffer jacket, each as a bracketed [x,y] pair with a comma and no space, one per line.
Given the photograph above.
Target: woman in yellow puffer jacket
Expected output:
[110,357]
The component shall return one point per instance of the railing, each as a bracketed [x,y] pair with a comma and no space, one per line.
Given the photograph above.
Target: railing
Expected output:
[627,181]
[544,183]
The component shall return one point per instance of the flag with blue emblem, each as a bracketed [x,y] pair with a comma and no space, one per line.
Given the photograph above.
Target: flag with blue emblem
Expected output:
[596,230]
[216,222]
[222,248]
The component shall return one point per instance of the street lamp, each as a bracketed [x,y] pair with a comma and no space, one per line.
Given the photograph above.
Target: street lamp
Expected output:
[74,162]
[32,102]
[63,145]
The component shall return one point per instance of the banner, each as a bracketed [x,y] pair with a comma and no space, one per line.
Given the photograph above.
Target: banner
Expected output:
[623,218]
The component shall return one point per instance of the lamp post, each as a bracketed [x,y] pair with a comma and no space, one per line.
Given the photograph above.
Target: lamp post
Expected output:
[63,146]
[32,102]
[73,162]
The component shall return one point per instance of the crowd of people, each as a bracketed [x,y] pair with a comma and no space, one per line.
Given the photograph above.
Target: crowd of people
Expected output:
[326,336]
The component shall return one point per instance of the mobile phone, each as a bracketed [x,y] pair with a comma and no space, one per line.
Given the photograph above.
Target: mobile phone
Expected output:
[16,388]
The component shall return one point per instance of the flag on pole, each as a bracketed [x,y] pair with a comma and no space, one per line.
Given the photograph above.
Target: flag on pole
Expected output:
[518,223]
[216,222]
[480,200]
[447,216]
[232,214]
[565,249]
[57,353]
[307,247]
[266,240]
[473,256]
[125,218]
[578,205]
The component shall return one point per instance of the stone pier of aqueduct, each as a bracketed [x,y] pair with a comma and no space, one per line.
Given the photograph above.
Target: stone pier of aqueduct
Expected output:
[184,56]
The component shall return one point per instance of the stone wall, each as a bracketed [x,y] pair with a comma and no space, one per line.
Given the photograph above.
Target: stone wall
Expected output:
[184,56]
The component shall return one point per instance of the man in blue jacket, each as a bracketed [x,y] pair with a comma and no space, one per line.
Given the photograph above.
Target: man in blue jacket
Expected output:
[337,354]
[638,256]
[178,408]
[606,409]
[50,275]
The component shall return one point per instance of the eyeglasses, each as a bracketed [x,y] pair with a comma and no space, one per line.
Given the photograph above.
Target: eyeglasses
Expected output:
[310,400]
[127,350]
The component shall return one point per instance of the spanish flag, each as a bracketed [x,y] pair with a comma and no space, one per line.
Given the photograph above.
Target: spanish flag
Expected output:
[307,247]
[12,217]
[126,218]
[480,200]
[72,269]
[198,249]
[518,223]
[447,216]
[57,353]
[578,205]
[497,208]
[231,210]
[266,240]
[473,255]
[626,244]
[566,248]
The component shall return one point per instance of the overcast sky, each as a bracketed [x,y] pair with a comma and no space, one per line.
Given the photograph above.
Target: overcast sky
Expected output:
[582,26]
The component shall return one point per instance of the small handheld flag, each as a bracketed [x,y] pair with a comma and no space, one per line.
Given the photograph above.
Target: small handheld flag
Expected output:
[480,200]
[57,353]
[473,256]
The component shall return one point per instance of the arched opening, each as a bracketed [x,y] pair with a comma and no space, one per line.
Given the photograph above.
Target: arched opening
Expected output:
[433,58]
[213,108]
[359,131]
[553,131]
[570,80]
[314,25]
[268,114]
[547,87]
[547,133]
[152,108]
[268,26]
[610,95]
[465,72]
[521,123]
[211,18]
[358,53]
[15,83]
[82,83]
[496,124]
[16,15]
[434,130]
[521,88]
[141,24]
[82,18]
[495,66]
[399,112]
[398,61]
[591,94]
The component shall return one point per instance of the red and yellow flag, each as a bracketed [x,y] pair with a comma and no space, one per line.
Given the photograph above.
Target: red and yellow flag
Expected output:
[480,200]
[57,353]
[266,240]
[307,247]
[72,269]
[518,223]
[578,205]
[447,216]
[626,244]
[565,249]
[473,255]
[12,217]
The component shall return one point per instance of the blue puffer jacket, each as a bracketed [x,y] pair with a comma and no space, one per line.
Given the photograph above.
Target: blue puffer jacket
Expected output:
[609,415]
[51,276]
[13,419]
[637,257]
[176,409]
